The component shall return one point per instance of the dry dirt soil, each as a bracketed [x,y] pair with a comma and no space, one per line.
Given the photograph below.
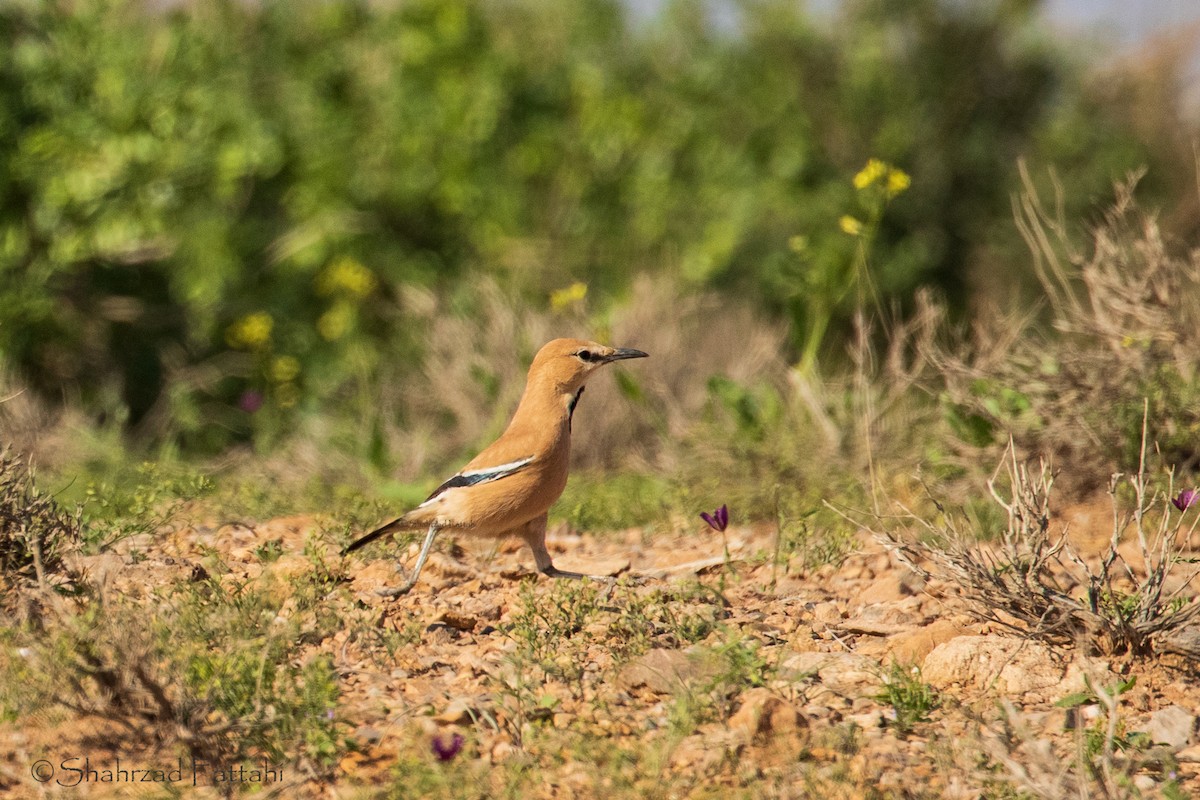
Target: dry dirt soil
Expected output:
[696,674]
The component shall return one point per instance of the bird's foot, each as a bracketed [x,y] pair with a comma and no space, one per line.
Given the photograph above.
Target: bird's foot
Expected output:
[554,572]
[395,591]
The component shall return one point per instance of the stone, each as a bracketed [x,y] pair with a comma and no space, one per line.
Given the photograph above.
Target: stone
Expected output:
[97,568]
[763,715]
[665,671]
[894,585]
[827,612]
[912,646]
[290,566]
[823,713]
[1189,755]
[841,672]
[368,734]
[458,712]
[457,620]
[1173,726]
[868,720]
[1007,666]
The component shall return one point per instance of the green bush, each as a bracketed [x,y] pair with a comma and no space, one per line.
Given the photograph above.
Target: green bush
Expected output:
[211,216]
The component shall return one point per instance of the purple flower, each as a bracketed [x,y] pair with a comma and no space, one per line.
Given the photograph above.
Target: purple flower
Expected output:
[250,401]
[718,520]
[446,751]
[1187,498]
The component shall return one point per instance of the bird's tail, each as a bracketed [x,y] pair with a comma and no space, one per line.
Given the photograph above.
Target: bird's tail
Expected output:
[397,524]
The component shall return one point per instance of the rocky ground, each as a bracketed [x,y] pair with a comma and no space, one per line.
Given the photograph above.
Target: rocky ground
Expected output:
[705,670]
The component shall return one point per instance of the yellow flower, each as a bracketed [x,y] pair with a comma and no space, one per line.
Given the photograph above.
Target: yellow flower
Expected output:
[334,323]
[873,171]
[251,332]
[850,225]
[346,276]
[284,369]
[897,181]
[573,295]
[798,243]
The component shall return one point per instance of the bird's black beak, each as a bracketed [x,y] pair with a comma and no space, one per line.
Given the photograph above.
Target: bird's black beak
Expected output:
[622,353]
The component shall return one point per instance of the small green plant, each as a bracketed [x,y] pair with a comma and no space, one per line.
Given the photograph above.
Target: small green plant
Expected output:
[811,534]
[216,668]
[140,502]
[546,631]
[672,616]
[546,621]
[911,698]
[1107,735]
[269,551]
[739,664]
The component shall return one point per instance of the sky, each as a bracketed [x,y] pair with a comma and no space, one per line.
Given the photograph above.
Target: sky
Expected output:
[1126,21]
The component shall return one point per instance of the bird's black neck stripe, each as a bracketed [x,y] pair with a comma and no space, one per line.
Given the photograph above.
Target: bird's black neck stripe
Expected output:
[571,406]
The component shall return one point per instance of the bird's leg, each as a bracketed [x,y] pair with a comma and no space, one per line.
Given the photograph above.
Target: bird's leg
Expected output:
[535,536]
[396,591]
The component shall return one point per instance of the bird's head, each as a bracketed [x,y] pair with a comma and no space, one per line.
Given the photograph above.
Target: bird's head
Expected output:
[568,363]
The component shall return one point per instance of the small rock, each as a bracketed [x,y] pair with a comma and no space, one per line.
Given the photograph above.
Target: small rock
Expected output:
[1189,755]
[1144,783]
[763,715]
[457,620]
[824,714]
[869,720]
[458,712]
[664,671]
[827,612]
[912,646]
[368,734]
[840,672]
[1005,665]
[289,566]
[1173,726]
[892,586]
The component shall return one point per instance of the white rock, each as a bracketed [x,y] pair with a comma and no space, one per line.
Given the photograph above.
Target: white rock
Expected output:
[841,672]
[1008,666]
[1173,726]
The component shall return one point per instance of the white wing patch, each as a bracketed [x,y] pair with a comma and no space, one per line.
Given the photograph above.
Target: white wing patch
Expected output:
[473,477]
[492,473]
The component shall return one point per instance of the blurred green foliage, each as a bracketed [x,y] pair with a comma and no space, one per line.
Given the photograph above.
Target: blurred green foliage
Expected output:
[208,212]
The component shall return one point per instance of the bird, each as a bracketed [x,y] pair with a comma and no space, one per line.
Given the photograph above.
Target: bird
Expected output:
[509,487]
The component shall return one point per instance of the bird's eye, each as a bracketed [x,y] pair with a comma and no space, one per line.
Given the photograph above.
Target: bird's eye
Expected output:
[587,355]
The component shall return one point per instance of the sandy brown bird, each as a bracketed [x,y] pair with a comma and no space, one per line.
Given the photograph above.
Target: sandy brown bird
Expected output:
[509,487]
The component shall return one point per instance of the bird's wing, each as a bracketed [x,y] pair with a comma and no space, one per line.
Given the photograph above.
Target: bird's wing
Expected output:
[472,477]
[468,477]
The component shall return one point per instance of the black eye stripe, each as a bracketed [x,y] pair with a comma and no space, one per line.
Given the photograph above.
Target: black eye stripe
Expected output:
[587,355]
